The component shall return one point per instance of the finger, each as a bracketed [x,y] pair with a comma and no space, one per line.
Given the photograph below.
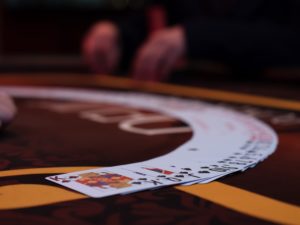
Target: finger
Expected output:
[141,63]
[147,62]
[89,49]
[113,58]
[168,64]
[96,54]
[7,109]
[99,61]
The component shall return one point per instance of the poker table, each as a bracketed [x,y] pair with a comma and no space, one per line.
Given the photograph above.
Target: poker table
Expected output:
[48,136]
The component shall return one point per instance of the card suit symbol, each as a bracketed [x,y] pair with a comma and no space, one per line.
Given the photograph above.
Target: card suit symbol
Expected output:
[183,172]
[180,176]
[203,171]
[56,178]
[136,182]
[230,168]
[161,176]
[220,170]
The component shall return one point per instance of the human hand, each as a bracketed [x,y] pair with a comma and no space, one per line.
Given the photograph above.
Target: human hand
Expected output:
[7,109]
[101,47]
[158,56]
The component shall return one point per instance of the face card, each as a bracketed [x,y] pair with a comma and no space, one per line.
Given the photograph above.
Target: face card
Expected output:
[108,181]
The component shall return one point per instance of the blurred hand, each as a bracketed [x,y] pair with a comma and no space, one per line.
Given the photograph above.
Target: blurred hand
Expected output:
[101,47]
[157,57]
[8,109]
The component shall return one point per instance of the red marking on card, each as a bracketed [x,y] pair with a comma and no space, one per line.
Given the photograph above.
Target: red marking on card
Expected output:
[162,171]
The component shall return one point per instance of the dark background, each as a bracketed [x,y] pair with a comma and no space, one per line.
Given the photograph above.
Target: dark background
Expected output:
[54,27]
[45,36]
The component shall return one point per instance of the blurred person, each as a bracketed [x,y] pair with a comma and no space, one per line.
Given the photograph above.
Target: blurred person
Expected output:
[241,33]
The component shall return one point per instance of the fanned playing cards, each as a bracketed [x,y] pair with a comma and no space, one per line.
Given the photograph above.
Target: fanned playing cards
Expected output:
[223,142]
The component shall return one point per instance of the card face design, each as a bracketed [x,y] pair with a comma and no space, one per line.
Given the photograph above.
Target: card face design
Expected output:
[104,180]
[223,142]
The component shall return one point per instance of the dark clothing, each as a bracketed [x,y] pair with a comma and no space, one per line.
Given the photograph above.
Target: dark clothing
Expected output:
[248,33]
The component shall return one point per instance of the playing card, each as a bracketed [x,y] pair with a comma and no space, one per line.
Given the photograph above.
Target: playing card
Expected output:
[107,181]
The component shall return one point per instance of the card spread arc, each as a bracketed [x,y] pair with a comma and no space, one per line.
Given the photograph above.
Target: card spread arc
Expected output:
[223,142]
